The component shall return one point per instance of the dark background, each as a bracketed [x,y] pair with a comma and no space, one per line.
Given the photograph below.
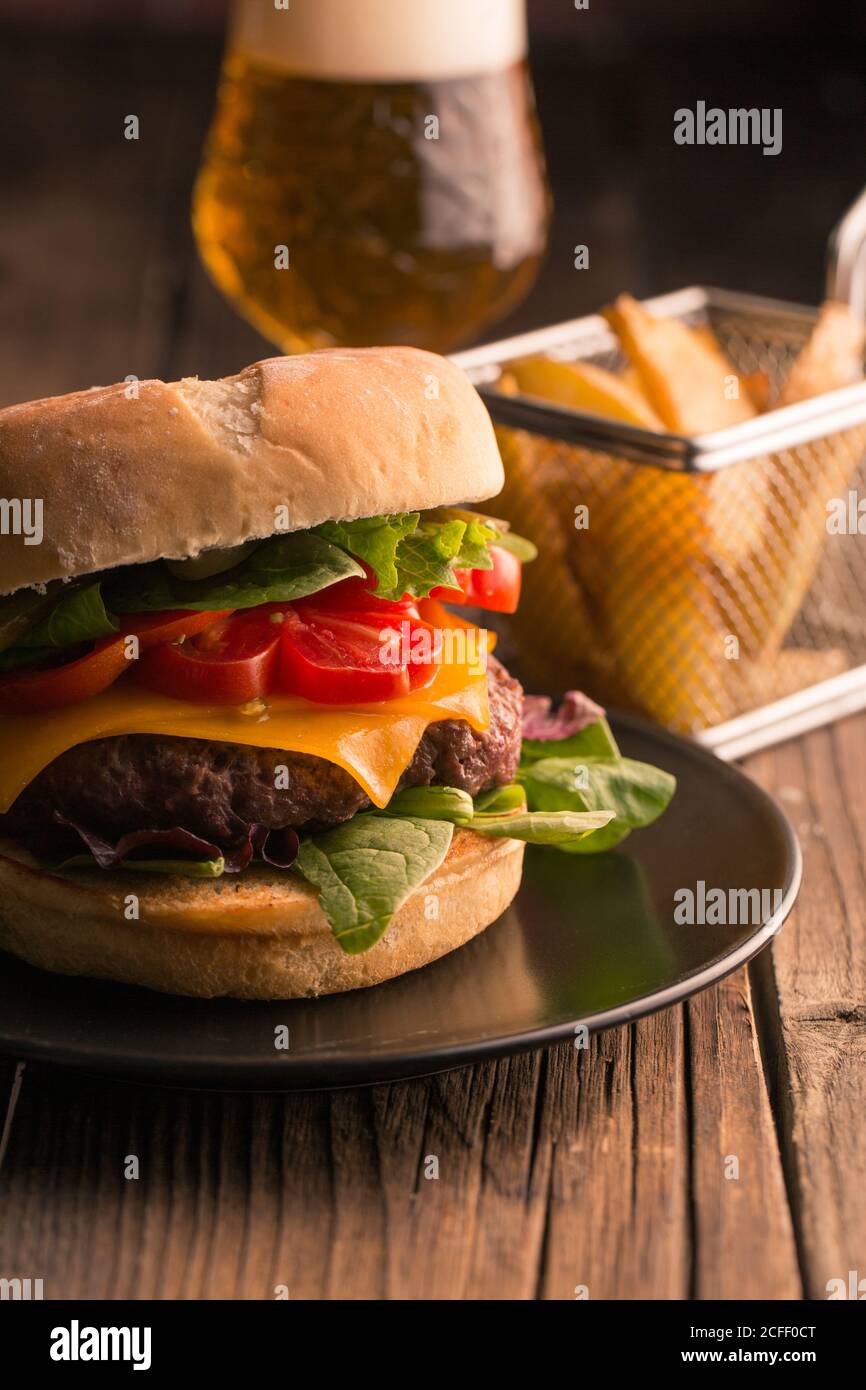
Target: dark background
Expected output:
[655,215]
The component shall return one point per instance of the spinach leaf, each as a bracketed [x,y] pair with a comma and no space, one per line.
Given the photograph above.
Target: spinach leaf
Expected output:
[19,611]
[278,571]
[595,741]
[498,800]
[435,803]
[190,868]
[501,812]
[78,616]
[366,868]
[564,829]
[635,793]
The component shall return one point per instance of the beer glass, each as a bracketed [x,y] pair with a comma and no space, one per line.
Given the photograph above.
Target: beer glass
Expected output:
[373,173]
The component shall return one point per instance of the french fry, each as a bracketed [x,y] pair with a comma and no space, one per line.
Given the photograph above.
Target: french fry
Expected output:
[632,380]
[755,384]
[680,538]
[685,376]
[694,389]
[804,479]
[587,478]
[832,358]
[584,387]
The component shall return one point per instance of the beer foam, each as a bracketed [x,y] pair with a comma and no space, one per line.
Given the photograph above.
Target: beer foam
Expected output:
[380,40]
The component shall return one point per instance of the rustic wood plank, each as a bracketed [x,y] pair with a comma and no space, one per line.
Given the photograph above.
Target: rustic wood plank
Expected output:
[744,1243]
[511,1210]
[813,999]
[555,1170]
[477,1134]
[617,1222]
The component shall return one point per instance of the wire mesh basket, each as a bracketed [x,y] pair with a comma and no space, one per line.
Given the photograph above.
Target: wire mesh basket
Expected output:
[694,580]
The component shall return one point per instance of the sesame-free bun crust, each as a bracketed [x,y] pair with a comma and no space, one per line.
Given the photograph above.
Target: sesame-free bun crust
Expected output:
[148,470]
[258,935]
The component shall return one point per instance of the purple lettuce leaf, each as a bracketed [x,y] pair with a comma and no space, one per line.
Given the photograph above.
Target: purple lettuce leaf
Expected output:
[576,712]
[278,848]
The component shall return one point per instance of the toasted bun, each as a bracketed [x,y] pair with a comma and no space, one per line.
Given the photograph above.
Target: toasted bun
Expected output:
[152,470]
[261,935]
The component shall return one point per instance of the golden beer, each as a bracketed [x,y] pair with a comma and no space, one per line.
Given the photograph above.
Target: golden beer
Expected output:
[373,173]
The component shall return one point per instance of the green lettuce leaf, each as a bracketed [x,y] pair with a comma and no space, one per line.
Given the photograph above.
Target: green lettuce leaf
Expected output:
[525,551]
[564,829]
[474,553]
[435,803]
[499,800]
[577,793]
[78,616]
[19,611]
[496,532]
[407,552]
[411,554]
[279,571]
[190,868]
[425,559]
[501,811]
[635,793]
[366,868]
[595,741]
[74,616]
[373,540]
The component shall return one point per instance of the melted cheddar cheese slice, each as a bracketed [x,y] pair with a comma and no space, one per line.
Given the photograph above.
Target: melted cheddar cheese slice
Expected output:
[374,743]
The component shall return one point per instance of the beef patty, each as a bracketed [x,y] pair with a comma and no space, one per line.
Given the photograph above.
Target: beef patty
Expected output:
[150,781]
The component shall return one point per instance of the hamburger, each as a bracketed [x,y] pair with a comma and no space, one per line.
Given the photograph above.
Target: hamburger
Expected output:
[250,742]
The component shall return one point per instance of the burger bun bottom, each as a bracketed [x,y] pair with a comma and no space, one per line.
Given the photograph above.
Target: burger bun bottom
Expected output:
[257,935]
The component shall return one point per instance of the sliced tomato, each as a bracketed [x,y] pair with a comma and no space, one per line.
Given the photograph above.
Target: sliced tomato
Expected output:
[356,595]
[170,626]
[496,589]
[26,691]
[230,662]
[349,658]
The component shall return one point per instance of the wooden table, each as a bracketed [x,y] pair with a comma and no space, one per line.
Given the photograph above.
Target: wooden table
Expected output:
[561,1169]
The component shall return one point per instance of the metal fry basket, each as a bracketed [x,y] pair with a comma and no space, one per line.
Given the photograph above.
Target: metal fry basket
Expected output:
[694,580]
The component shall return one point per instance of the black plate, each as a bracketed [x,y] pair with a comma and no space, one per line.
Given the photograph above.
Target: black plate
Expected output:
[589,939]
